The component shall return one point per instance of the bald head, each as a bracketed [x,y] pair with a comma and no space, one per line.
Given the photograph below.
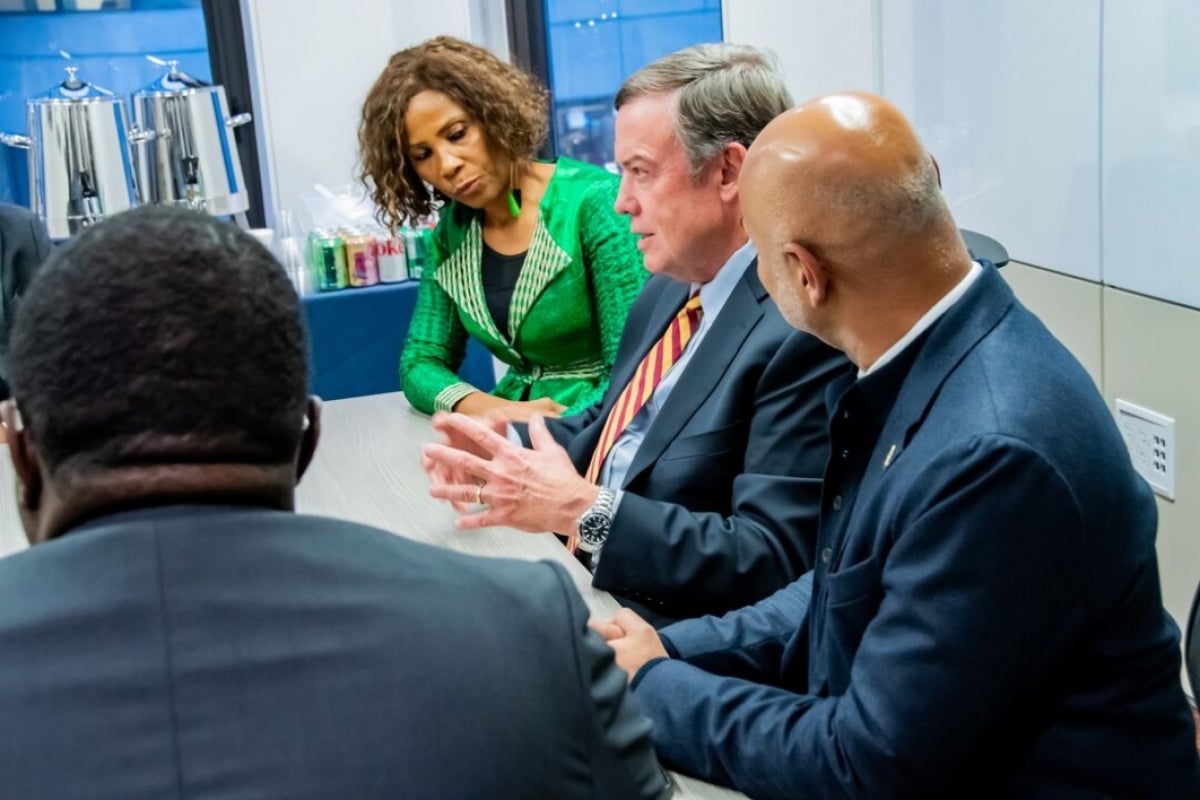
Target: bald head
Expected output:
[850,172]
[853,233]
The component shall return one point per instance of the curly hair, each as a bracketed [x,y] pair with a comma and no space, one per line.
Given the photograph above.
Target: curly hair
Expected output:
[509,104]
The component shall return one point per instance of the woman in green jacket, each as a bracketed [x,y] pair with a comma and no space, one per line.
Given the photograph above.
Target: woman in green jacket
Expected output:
[528,257]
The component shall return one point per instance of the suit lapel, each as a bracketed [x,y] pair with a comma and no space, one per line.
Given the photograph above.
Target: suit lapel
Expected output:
[670,300]
[950,340]
[461,278]
[544,262]
[704,371]
[671,297]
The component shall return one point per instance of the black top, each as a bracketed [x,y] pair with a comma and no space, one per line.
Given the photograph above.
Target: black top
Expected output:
[500,273]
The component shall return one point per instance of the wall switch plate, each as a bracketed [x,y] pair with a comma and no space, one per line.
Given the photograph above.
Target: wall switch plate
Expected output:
[1150,438]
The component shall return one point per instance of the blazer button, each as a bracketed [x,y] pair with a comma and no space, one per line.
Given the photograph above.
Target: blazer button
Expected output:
[837,502]
[826,555]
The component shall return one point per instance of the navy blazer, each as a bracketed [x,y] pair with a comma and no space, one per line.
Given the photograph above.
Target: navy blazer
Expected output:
[24,245]
[209,652]
[721,499]
[985,618]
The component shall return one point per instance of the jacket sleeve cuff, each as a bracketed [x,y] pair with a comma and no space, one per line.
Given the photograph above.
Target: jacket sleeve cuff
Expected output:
[668,645]
[447,398]
[641,673]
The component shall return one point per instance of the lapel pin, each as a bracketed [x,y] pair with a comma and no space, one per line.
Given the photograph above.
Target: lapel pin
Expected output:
[891,453]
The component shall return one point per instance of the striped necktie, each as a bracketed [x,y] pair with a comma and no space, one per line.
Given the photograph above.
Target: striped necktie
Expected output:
[654,366]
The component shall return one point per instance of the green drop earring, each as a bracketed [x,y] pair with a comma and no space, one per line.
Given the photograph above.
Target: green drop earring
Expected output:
[514,194]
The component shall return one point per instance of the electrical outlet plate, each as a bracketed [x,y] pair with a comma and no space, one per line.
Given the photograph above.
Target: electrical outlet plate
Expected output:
[1150,437]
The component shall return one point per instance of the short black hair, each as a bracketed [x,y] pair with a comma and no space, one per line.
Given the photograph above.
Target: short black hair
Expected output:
[160,336]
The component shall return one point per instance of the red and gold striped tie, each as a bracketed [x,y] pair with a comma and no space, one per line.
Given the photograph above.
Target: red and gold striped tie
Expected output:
[654,366]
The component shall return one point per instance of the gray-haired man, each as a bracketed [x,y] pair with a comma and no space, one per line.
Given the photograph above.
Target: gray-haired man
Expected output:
[694,485]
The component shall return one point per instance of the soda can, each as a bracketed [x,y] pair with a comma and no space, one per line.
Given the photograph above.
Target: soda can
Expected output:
[362,258]
[327,259]
[426,243]
[393,260]
[414,247]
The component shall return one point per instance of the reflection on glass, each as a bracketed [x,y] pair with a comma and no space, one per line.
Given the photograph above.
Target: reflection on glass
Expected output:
[595,44]
[108,40]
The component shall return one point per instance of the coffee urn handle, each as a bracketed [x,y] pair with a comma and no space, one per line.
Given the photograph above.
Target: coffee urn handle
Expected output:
[140,136]
[13,140]
[239,119]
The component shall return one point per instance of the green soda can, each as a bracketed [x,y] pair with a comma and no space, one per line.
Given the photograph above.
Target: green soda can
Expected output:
[426,245]
[327,258]
[415,252]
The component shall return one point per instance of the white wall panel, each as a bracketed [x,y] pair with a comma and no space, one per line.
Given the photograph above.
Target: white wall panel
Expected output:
[824,46]
[1151,147]
[1006,95]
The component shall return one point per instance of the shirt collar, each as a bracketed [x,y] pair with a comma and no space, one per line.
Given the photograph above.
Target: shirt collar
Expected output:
[931,316]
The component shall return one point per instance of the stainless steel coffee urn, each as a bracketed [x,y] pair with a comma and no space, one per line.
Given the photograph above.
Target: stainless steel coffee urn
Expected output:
[79,157]
[192,160]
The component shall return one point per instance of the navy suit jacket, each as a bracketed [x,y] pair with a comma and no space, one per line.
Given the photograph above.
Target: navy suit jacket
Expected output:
[985,617]
[721,499]
[210,652]
[24,245]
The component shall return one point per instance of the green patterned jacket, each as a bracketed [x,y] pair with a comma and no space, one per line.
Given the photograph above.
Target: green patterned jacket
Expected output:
[581,274]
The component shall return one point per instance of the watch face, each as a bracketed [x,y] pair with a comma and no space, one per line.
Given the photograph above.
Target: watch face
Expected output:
[593,528]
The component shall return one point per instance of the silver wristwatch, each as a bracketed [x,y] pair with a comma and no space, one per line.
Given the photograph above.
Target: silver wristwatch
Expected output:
[596,522]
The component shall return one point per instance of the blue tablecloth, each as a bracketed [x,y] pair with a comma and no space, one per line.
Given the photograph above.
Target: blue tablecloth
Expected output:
[355,339]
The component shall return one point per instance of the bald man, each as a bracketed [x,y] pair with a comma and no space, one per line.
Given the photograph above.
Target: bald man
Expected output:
[985,618]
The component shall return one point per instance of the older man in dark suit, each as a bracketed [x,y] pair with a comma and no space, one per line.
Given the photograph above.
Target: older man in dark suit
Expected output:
[176,631]
[985,618]
[693,487]
[24,245]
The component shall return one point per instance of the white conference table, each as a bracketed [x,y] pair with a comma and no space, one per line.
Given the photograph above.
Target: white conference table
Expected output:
[367,470]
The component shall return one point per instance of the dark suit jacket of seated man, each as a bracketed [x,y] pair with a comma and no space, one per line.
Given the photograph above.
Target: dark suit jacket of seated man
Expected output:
[24,245]
[985,617]
[176,630]
[719,502]
[709,497]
